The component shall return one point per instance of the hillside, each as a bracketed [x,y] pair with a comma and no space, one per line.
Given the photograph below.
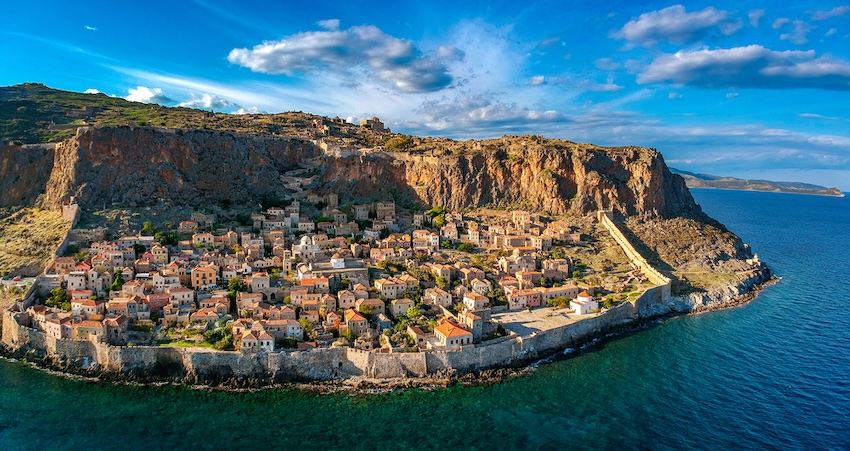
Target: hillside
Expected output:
[191,159]
[694,180]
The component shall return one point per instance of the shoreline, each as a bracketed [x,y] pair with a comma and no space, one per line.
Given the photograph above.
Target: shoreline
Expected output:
[359,385]
[774,192]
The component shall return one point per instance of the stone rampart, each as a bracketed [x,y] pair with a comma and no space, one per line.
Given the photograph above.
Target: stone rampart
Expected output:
[635,257]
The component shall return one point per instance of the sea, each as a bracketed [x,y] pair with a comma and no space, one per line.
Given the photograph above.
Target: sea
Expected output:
[772,374]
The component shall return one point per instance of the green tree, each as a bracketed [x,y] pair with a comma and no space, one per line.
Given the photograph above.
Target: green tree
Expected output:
[441,282]
[117,282]
[148,229]
[413,313]
[58,298]
[139,249]
[344,283]
[439,220]
[500,331]
[576,274]
[306,325]
[466,247]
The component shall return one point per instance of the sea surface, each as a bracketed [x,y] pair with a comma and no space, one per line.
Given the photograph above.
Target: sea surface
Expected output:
[773,374]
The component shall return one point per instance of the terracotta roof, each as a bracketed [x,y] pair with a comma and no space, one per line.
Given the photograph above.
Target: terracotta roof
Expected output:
[450,330]
[584,294]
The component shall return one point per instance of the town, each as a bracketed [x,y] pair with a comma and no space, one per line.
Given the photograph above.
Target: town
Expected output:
[312,273]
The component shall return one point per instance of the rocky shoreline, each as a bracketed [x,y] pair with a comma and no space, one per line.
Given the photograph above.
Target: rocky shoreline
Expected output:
[731,296]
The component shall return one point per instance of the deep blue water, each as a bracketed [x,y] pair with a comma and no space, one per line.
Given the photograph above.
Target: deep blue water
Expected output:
[773,374]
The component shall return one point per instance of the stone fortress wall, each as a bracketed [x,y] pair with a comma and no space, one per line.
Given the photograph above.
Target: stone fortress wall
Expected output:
[203,365]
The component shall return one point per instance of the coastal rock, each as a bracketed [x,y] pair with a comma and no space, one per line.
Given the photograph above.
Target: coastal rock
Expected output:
[143,165]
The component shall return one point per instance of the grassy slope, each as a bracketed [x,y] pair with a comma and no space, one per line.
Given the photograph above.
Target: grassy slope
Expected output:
[28,236]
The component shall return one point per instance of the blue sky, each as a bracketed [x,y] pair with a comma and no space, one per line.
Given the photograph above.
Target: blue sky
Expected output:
[748,89]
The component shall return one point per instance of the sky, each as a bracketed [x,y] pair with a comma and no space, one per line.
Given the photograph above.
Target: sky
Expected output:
[745,89]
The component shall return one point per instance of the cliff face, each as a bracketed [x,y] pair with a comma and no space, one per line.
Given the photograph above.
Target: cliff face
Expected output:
[23,172]
[137,166]
[556,179]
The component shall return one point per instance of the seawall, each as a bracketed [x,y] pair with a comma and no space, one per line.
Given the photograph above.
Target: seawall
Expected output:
[243,369]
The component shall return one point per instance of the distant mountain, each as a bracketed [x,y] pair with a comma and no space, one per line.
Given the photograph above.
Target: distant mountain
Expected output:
[694,180]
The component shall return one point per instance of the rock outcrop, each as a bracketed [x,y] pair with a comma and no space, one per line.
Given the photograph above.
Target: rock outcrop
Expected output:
[142,165]
[548,176]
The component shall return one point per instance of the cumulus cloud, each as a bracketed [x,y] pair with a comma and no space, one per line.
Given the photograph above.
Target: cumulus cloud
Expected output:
[799,34]
[329,24]
[755,16]
[252,110]
[749,67]
[92,91]
[144,94]
[827,14]
[537,80]
[480,112]
[393,60]
[208,101]
[675,25]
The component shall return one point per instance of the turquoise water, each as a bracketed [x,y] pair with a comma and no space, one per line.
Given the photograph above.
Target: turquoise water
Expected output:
[771,374]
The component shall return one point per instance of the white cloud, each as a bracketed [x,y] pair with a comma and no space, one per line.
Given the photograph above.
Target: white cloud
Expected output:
[144,94]
[393,60]
[780,22]
[755,16]
[208,101]
[834,12]
[537,80]
[830,32]
[606,64]
[753,67]
[732,95]
[92,91]
[329,24]
[89,28]
[252,110]
[675,25]
[674,95]
[798,34]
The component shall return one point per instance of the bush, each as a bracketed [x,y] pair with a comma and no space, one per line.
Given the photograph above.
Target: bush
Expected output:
[466,247]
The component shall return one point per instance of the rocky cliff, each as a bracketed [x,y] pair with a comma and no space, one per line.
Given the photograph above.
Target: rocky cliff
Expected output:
[551,175]
[142,165]
[23,172]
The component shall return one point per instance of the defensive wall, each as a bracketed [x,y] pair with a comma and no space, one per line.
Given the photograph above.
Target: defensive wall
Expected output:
[200,365]
[605,217]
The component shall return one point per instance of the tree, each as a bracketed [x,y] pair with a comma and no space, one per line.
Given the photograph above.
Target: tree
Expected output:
[59,298]
[148,229]
[367,309]
[344,283]
[466,247]
[139,249]
[384,233]
[117,282]
[576,274]
[349,335]
[442,283]
[413,313]
[440,220]
[500,331]
[306,325]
